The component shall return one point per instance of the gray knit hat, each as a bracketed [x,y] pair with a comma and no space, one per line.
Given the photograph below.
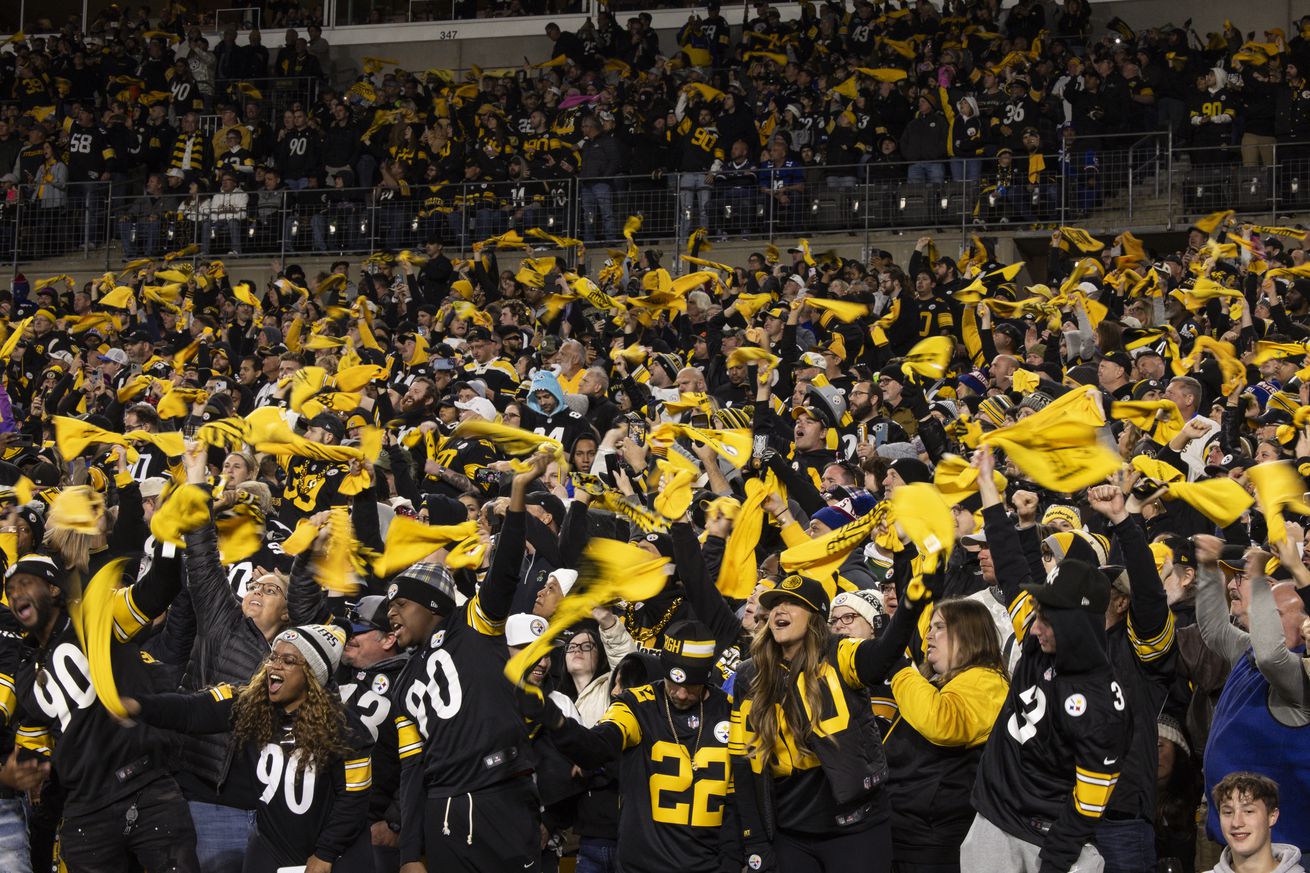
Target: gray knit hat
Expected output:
[320,645]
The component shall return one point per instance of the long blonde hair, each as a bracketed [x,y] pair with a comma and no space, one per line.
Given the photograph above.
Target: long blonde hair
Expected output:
[770,687]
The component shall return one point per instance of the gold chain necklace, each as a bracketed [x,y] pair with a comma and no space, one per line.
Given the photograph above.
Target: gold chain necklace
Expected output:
[640,634]
[700,726]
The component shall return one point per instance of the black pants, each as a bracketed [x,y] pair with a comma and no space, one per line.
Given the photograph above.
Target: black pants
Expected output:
[505,832]
[916,867]
[260,857]
[163,840]
[869,851]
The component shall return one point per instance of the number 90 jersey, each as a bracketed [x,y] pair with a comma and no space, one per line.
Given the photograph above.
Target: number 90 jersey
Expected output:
[675,788]
[456,713]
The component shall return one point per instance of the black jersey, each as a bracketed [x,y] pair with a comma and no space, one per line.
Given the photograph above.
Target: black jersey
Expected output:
[466,456]
[97,761]
[311,486]
[1054,755]
[675,781]
[367,692]
[498,374]
[301,811]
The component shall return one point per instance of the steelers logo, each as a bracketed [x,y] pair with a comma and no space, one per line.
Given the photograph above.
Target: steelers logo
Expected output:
[721,732]
[791,583]
[381,684]
[392,591]
[678,675]
[1075,705]
[438,638]
[755,862]
[538,626]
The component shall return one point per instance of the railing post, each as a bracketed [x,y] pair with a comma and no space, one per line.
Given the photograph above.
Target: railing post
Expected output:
[1169,185]
[18,231]
[1132,150]
[1274,183]
[109,221]
[282,228]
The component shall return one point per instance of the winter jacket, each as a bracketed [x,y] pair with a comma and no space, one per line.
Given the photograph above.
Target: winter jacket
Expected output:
[228,648]
[924,138]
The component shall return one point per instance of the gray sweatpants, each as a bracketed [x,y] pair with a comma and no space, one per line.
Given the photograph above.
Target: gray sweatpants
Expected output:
[988,849]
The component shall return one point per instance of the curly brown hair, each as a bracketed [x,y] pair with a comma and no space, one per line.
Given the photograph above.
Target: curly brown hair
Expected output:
[319,726]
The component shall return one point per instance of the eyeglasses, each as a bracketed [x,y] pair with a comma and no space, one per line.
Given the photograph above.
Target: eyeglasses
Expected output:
[579,648]
[286,660]
[268,589]
[843,620]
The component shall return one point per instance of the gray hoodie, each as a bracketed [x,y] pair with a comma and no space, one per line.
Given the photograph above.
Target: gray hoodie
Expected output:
[1287,856]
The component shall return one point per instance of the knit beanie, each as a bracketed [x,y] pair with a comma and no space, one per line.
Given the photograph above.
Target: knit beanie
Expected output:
[320,645]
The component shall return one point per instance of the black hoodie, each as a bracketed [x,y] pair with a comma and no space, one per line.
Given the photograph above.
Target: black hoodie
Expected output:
[1055,753]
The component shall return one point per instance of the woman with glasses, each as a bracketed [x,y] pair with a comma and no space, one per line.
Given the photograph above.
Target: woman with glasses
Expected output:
[304,752]
[589,673]
[946,708]
[859,615]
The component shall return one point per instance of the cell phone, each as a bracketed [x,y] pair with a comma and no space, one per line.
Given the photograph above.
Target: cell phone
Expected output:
[637,429]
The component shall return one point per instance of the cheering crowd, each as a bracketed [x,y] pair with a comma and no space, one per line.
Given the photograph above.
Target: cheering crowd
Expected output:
[1028,112]
[811,563]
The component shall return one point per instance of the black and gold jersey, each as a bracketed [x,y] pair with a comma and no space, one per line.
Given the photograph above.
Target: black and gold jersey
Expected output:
[311,486]
[675,781]
[302,809]
[499,375]
[367,691]
[469,458]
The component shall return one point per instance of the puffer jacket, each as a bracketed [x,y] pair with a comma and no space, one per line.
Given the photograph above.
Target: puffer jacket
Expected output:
[228,648]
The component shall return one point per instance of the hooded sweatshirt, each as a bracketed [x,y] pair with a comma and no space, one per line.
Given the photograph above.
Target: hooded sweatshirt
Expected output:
[561,423]
[1287,856]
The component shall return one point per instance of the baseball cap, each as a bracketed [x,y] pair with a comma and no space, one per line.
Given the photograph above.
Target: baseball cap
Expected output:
[1074,585]
[329,423]
[117,356]
[803,589]
[479,405]
[523,629]
[370,613]
[1120,358]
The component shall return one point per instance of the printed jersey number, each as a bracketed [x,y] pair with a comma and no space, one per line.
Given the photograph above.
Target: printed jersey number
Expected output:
[708,784]
[441,692]
[1118,696]
[68,687]
[298,145]
[371,707]
[1023,724]
[1014,113]
[80,143]
[276,769]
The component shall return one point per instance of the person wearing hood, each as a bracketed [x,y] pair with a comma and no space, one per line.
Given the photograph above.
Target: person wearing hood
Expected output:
[966,139]
[1049,769]
[547,413]
[1248,811]
[924,142]
[1213,115]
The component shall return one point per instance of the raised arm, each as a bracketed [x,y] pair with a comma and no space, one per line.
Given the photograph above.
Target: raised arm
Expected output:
[1281,667]
[704,598]
[205,712]
[1218,633]
[497,593]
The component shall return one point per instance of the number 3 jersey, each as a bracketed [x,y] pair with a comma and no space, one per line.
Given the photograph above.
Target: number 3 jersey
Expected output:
[1054,754]
[674,778]
[368,692]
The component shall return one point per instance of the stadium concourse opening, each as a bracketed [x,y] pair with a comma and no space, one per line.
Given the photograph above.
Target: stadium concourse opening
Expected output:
[816,438]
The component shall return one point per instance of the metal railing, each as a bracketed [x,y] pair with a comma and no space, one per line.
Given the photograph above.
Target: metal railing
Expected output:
[1104,184]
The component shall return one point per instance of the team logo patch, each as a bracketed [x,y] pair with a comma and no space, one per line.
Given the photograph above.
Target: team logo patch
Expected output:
[791,583]
[392,591]
[538,626]
[721,732]
[359,675]
[1049,674]
[693,722]
[437,639]
[678,675]
[755,862]
[381,684]
[1075,705]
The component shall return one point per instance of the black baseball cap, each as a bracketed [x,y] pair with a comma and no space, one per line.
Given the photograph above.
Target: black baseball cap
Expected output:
[370,613]
[688,653]
[329,423]
[803,589]
[1120,358]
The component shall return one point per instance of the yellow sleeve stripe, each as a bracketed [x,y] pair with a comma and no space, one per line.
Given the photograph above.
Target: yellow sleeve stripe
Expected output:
[359,774]
[408,740]
[885,708]
[222,692]
[846,650]
[36,739]
[1156,647]
[8,700]
[1021,614]
[128,619]
[479,621]
[1092,790]
[621,716]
